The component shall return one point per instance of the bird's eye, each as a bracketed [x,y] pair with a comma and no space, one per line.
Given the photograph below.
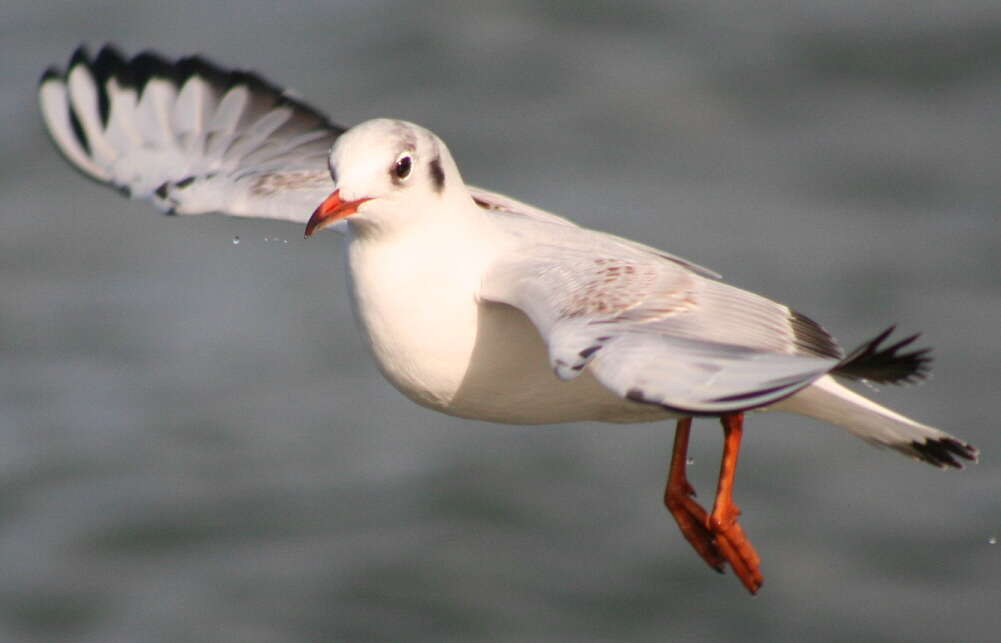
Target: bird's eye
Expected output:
[403,166]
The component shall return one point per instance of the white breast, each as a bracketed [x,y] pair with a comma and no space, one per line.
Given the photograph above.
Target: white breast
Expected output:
[444,349]
[418,311]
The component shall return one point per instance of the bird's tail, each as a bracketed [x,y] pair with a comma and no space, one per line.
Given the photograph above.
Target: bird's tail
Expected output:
[829,401]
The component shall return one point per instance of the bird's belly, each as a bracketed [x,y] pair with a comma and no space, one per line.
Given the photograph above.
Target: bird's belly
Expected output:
[509,379]
[486,361]
[446,350]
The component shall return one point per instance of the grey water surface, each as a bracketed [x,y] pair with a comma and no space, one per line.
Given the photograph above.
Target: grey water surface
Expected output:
[195,446]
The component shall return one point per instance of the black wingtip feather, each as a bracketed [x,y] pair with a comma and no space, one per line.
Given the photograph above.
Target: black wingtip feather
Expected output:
[80,57]
[110,63]
[52,73]
[943,452]
[78,131]
[137,71]
[148,65]
[886,364]
[812,338]
[140,69]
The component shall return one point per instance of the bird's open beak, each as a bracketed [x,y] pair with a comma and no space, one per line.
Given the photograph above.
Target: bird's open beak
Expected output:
[332,209]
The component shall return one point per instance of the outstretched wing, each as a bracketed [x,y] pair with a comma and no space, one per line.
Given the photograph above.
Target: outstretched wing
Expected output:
[193,137]
[189,136]
[653,330]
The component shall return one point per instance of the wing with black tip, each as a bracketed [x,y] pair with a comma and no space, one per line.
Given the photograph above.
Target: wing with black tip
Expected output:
[193,137]
[189,136]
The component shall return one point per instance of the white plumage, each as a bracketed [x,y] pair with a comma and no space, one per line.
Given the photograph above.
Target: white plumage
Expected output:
[194,138]
[473,303]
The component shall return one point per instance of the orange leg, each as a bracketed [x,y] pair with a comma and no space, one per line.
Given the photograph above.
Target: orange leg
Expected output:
[716,537]
[730,537]
[678,498]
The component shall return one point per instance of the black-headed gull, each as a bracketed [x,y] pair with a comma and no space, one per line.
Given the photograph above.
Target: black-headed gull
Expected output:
[473,303]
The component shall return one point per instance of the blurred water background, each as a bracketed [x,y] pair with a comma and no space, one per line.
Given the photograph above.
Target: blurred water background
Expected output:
[195,446]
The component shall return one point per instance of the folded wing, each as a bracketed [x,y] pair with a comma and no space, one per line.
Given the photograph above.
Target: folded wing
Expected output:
[653,330]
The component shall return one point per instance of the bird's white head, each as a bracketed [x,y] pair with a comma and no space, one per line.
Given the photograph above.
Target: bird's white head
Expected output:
[388,172]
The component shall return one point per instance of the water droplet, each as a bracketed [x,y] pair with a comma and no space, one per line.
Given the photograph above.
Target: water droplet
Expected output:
[689,461]
[236,241]
[266,238]
[993,540]
[284,240]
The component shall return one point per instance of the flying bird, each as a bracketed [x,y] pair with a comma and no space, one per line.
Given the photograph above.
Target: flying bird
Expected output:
[476,304]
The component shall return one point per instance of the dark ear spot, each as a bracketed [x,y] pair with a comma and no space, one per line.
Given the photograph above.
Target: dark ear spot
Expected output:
[331,169]
[437,174]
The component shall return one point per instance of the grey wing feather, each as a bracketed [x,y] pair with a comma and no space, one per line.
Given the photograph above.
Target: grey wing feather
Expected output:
[189,136]
[193,137]
[654,331]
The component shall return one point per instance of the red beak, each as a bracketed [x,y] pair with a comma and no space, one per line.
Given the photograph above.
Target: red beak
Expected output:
[332,209]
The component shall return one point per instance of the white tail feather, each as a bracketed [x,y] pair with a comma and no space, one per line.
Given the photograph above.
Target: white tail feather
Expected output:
[829,401]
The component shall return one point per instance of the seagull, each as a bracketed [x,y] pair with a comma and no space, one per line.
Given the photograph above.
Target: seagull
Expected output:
[475,304]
